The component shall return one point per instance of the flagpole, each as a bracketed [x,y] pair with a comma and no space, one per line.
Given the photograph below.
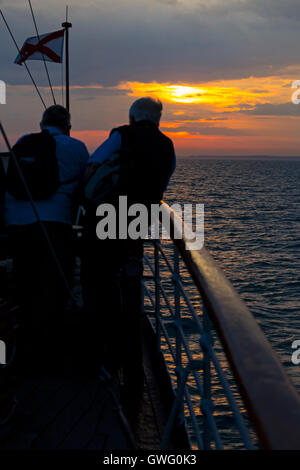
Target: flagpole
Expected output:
[66,25]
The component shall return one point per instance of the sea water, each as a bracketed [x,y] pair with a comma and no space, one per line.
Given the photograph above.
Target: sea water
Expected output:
[252,226]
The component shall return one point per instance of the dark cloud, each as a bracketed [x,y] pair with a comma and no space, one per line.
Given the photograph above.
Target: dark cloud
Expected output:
[269,9]
[105,91]
[206,130]
[146,40]
[168,2]
[286,109]
[259,91]
[191,117]
[86,98]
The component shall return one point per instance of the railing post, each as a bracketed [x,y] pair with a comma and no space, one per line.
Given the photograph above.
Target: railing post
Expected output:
[157,294]
[179,399]
[176,278]
[206,400]
[179,369]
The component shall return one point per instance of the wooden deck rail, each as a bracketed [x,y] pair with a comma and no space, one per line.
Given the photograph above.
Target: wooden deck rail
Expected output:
[271,400]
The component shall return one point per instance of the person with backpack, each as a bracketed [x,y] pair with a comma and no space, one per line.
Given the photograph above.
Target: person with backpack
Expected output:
[52,164]
[136,161]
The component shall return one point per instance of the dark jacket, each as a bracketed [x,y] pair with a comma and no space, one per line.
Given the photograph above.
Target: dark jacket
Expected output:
[147,162]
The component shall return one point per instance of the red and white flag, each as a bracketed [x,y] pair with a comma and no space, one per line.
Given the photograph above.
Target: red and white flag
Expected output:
[49,45]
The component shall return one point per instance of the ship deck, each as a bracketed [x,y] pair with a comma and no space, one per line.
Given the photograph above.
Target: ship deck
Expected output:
[79,413]
[55,413]
[71,412]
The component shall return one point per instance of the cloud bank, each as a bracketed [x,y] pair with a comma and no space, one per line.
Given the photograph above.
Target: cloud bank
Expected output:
[161,40]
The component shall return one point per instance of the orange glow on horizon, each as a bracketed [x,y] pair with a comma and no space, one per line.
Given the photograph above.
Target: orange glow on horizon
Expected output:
[213,116]
[225,95]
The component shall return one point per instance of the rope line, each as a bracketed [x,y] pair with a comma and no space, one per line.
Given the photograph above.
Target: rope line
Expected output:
[26,66]
[45,64]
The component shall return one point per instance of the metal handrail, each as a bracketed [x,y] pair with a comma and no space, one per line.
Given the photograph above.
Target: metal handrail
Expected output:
[271,401]
[181,341]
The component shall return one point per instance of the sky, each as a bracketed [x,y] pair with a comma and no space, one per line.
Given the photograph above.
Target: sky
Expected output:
[222,68]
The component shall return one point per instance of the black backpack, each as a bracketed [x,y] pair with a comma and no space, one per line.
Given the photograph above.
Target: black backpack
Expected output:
[36,155]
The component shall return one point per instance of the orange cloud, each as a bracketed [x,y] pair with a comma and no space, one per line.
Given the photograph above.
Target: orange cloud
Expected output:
[224,95]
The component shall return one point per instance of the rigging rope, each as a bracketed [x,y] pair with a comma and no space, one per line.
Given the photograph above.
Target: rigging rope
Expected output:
[29,73]
[45,64]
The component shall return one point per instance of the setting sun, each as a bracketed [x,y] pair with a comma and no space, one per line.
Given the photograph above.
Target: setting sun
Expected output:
[223,95]
[185,94]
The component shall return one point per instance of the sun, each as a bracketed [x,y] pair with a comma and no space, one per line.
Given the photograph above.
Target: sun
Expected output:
[227,95]
[185,94]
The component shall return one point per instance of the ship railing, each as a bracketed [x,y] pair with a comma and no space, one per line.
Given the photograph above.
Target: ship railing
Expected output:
[237,397]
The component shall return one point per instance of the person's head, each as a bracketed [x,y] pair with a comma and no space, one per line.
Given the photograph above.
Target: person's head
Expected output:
[57,116]
[146,109]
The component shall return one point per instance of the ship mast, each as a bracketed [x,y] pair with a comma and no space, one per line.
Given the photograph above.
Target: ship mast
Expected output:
[67,26]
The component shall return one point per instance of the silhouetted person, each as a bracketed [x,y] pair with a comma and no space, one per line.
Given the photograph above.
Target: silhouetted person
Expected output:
[42,293]
[112,269]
